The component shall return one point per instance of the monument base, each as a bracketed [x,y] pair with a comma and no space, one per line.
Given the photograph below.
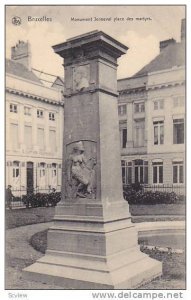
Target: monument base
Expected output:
[93,252]
[75,274]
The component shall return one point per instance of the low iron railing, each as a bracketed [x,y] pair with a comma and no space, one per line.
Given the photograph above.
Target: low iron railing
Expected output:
[177,189]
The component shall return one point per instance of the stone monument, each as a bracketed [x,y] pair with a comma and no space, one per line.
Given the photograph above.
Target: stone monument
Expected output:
[92,244]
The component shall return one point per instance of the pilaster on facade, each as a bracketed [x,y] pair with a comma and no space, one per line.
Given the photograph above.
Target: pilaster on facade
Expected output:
[130,124]
[46,131]
[21,126]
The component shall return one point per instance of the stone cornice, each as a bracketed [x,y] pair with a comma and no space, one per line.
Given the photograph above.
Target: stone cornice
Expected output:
[32,96]
[151,87]
[91,90]
[132,90]
[165,85]
[93,45]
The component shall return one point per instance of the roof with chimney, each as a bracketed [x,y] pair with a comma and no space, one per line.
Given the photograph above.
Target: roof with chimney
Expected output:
[170,56]
[18,69]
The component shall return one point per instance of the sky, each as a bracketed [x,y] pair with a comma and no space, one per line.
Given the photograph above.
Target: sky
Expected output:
[142,37]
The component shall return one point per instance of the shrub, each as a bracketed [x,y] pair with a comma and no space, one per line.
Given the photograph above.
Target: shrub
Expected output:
[54,198]
[41,199]
[135,195]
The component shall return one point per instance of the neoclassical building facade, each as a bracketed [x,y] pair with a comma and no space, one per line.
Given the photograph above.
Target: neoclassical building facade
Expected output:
[151,109]
[34,127]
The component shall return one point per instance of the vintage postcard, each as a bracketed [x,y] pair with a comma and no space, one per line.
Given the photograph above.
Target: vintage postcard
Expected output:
[95,187]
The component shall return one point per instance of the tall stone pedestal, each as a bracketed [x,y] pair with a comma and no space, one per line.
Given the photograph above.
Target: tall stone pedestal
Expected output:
[93,244]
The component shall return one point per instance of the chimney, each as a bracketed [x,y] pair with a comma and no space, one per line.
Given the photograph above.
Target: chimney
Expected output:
[183,29]
[165,43]
[22,54]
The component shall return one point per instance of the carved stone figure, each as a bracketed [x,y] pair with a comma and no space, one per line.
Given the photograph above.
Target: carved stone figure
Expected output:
[80,173]
[80,79]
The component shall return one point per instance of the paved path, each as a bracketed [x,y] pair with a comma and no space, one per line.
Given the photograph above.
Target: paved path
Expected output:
[20,254]
[163,225]
[17,240]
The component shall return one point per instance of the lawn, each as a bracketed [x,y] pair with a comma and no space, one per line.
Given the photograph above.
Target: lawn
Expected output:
[158,209]
[173,271]
[140,213]
[26,216]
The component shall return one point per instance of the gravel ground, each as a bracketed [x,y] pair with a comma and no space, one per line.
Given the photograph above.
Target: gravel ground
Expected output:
[20,254]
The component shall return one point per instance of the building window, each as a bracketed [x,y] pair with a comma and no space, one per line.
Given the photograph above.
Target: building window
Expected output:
[54,170]
[178,172]
[178,131]
[158,132]
[27,111]
[16,170]
[40,138]
[123,133]
[157,172]
[52,137]
[141,171]
[42,170]
[178,101]
[139,107]
[52,116]
[13,108]
[28,136]
[123,169]
[158,104]
[126,168]
[122,110]
[135,172]
[40,113]
[139,131]
[129,172]
[14,136]
[54,175]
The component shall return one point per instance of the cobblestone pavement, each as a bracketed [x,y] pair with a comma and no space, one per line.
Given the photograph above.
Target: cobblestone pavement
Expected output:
[20,254]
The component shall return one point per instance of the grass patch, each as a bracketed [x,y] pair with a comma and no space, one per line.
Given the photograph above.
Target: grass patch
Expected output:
[173,263]
[21,217]
[158,209]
